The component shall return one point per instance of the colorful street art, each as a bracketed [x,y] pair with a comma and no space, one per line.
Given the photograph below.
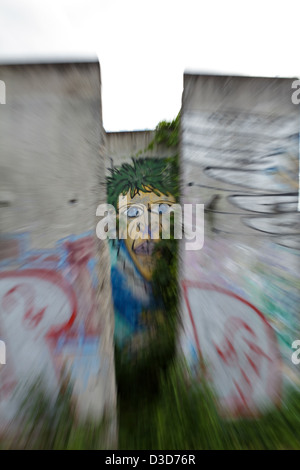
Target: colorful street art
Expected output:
[241,292]
[131,187]
[48,316]
[235,347]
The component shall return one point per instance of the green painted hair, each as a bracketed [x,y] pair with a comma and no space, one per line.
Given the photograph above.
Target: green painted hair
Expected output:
[143,174]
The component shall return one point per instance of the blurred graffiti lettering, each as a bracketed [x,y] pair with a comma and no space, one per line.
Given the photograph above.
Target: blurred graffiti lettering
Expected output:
[236,345]
[47,306]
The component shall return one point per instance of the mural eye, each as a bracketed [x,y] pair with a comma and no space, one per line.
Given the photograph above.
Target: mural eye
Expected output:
[133,212]
[161,209]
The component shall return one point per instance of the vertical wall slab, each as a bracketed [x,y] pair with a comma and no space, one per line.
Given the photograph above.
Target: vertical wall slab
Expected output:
[55,299]
[240,158]
[145,175]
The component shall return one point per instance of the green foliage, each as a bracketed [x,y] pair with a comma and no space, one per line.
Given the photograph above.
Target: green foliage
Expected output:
[144,174]
[165,276]
[166,134]
[184,416]
[181,415]
[139,375]
[139,378]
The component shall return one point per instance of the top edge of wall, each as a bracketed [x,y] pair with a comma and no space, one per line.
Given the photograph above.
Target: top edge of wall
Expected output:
[191,75]
[63,63]
[138,131]
[238,93]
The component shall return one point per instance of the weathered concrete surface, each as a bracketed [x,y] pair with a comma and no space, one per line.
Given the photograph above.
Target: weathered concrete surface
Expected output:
[122,146]
[55,295]
[240,159]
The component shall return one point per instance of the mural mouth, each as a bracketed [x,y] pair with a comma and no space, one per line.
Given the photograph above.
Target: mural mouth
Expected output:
[145,248]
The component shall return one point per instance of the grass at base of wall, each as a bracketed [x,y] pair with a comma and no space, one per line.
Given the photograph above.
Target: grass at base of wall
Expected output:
[185,417]
[47,424]
[177,414]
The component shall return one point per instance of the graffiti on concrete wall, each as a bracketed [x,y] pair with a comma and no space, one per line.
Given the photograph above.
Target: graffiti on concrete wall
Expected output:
[266,173]
[268,278]
[132,187]
[48,313]
[241,291]
[235,346]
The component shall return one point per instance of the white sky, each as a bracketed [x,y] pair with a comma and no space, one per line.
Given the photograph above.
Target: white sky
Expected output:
[144,46]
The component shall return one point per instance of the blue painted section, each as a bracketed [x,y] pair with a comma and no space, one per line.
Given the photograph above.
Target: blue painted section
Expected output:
[127,305]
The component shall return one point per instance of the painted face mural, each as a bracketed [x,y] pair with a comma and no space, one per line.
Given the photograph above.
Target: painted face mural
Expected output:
[142,192]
